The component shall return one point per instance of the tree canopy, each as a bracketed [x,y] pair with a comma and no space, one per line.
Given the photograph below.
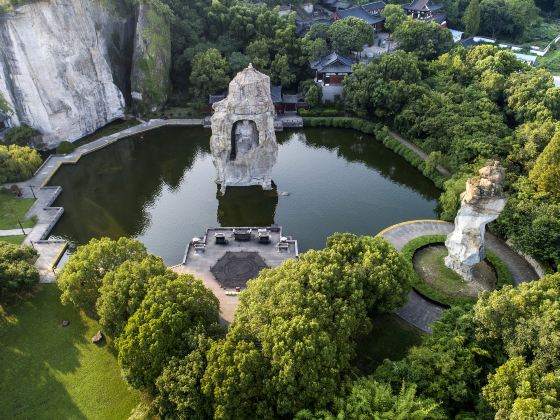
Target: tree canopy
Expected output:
[82,275]
[290,345]
[17,272]
[350,34]
[209,73]
[18,163]
[427,39]
[123,290]
[175,310]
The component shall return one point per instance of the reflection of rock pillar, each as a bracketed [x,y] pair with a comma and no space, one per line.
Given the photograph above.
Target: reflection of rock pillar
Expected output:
[247,206]
[243,141]
[481,203]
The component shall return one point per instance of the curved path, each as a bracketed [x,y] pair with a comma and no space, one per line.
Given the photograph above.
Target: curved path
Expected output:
[421,312]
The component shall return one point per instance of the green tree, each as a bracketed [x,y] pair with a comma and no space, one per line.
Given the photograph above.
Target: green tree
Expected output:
[449,367]
[471,18]
[18,163]
[17,272]
[175,310]
[314,48]
[20,135]
[123,290]
[280,71]
[383,86]
[81,277]
[450,199]
[369,399]
[209,73]
[525,322]
[394,16]
[318,30]
[291,342]
[427,39]
[4,107]
[259,52]
[546,172]
[350,34]
[531,96]
[179,393]
[237,62]
[314,96]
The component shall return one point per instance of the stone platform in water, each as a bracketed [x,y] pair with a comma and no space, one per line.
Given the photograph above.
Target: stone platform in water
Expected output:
[226,258]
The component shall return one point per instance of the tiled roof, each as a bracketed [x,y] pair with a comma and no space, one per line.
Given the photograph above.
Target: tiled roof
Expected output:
[360,13]
[422,6]
[373,6]
[331,59]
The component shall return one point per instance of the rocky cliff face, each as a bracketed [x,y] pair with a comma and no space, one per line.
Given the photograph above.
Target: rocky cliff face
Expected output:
[65,66]
[151,60]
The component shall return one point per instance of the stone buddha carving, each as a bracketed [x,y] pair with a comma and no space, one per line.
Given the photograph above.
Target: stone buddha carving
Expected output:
[246,136]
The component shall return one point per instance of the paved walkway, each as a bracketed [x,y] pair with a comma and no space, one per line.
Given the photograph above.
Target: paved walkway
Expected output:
[50,251]
[421,312]
[423,155]
[14,232]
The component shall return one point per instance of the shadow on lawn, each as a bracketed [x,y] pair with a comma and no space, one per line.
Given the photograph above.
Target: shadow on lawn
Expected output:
[33,351]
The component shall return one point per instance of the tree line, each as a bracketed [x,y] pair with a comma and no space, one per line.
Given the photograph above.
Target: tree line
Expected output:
[465,107]
[290,348]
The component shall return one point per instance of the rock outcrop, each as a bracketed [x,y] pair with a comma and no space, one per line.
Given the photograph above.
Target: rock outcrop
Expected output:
[151,61]
[66,65]
[243,141]
[481,203]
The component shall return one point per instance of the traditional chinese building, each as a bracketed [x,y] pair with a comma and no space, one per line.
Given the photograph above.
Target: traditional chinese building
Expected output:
[369,13]
[330,71]
[425,10]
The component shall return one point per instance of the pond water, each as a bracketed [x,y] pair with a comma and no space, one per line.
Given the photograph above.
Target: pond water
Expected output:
[159,187]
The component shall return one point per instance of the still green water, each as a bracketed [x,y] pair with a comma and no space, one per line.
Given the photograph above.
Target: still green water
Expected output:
[159,187]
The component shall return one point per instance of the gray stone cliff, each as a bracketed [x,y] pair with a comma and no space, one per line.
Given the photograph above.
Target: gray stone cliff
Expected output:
[65,66]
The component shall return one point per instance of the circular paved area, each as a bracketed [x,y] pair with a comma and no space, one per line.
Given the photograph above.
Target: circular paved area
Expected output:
[234,269]
[421,312]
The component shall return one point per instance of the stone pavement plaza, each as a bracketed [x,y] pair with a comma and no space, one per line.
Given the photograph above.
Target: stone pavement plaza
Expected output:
[199,261]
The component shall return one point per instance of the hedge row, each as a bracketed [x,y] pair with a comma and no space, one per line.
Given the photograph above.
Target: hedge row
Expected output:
[381,133]
[319,112]
[502,273]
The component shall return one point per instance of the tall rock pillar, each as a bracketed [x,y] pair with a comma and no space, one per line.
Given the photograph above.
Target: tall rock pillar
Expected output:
[481,203]
[243,141]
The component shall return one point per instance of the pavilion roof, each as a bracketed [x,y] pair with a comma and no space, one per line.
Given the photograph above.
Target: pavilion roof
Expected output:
[422,6]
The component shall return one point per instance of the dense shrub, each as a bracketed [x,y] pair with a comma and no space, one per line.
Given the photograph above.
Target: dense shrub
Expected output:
[65,147]
[21,135]
[17,271]
[17,163]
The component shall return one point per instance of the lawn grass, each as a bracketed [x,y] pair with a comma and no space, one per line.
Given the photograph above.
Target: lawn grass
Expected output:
[16,240]
[503,276]
[12,209]
[430,266]
[52,372]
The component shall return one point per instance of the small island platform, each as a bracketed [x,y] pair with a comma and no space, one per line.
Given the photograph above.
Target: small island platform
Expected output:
[226,258]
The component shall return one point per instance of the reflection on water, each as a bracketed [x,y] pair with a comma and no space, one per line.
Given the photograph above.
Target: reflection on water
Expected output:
[159,187]
[246,206]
